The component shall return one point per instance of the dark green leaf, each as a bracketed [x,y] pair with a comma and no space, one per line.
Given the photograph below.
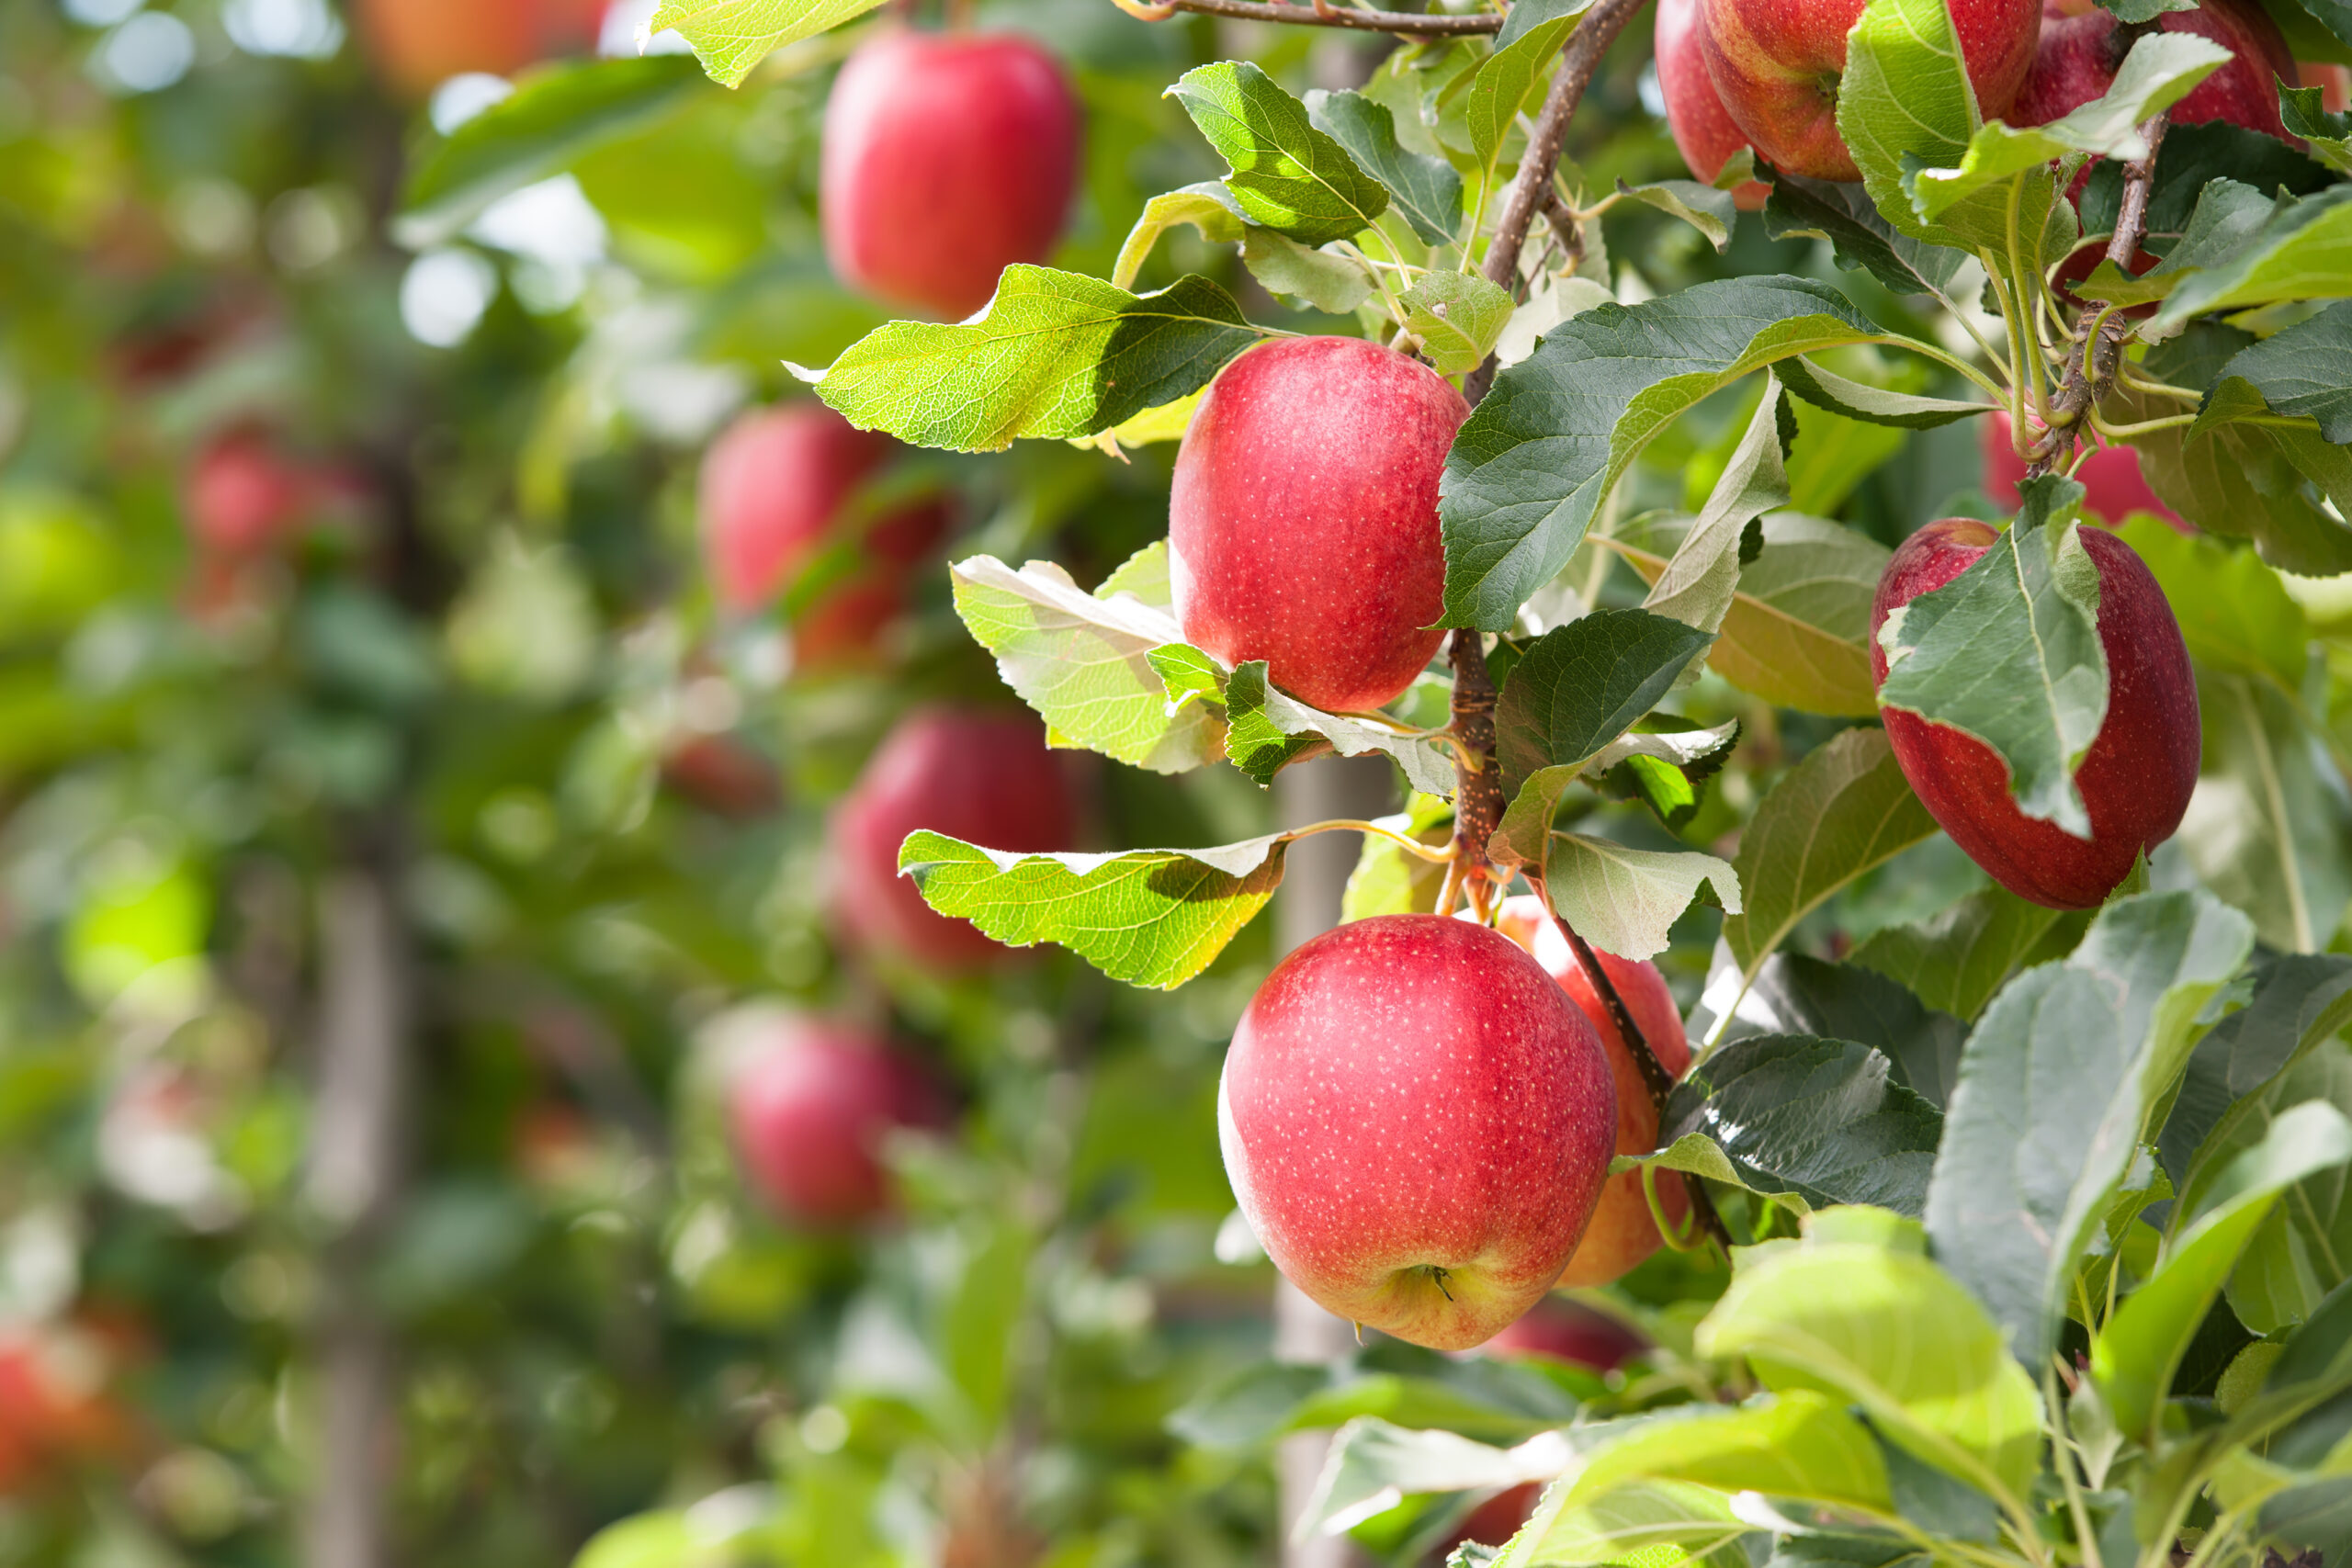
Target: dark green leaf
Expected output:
[1956,959]
[2193,156]
[1843,214]
[1582,685]
[1874,405]
[1427,189]
[1267,730]
[2304,113]
[1287,175]
[2301,371]
[1794,994]
[2269,828]
[2250,481]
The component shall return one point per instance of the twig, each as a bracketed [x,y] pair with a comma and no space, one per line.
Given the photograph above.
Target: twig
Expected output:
[1579,60]
[1361,19]
[2094,367]
[1566,227]
[1478,791]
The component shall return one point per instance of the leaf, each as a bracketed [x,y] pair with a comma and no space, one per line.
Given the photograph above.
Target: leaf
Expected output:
[2299,372]
[1697,583]
[1208,206]
[2302,252]
[1267,730]
[2234,614]
[1286,174]
[729,37]
[2299,1000]
[2136,1353]
[1796,632]
[2301,1253]
[1624,900]
[1794,994]
[1388,880]
[1791,1445]
[2009,652]
[1706,207]
[2249,481]
[1886,1329]
[2226,220]
[1629,1523]
[1084,661]
[1427,190]
[1904,93]
[1666,772]
[1151,917]
[1372,1465]
[1523,19]
[1457,316]
[1327,281]
[2304,112]
[1843,808]
[1543,450]
[2269,828]
[1057,355]
[1862,238]
[2055,1090]
[2193,157]
[1874,405]
[1955,960]
[1822,1119]
[554,115]
[1500,88]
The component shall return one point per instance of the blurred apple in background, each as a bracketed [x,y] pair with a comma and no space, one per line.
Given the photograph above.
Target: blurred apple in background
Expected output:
[242,495]
[418,44]
[810,1110]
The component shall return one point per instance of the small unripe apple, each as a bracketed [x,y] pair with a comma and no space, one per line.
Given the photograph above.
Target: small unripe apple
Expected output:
[242,496]
[1561,1330]
[947,158]
[810,1113]
[1778,65]
[1417,1122]
[2137,777]
[2081,52]
[1622,1232]
[2110,475]
[418,44]
[1702,130]
[1302,525]
[983,777]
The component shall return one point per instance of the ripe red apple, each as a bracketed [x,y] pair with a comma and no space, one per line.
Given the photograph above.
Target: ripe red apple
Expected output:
[1621,1233]
[2111,475]
[983,777]
[1417,1122]
[2333,82]
[55,1411]
[242,496]
[418,44]
[1562,1330]
[811,1111]
[2136,779]
[947,158]
[1694,110]
[1301,527]
[1777,66]
[2080,53]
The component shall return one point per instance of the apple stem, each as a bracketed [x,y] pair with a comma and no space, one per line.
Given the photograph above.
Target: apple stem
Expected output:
[1323,15]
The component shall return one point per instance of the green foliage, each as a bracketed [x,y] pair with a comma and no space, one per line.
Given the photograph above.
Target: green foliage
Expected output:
[1905,96]
[730,36]
[1287,175]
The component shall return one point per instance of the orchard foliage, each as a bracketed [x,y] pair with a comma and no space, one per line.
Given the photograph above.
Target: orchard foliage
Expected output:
[363,683]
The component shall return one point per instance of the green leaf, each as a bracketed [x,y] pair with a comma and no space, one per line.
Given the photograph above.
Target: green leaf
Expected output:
[1208,206]
[1427,190]
[1540,453]
[2304,113]
[1706,207]
[1085,662]
[2009,652]
[2135,1355]
[2225,223]
[1956,959]
[1795,633]
[1057,355]
[1795,1445]
[1251,1403]
[1625,900]
[1287,175]
[1524,19]
[1323,279]
[1501,86]
[729,37]
[1874,405]
[2056,1089]
[2299,1000]
[1389,880]
[1644,1522]
[2302,1253]
[554,115]
[1697,583]
[1665,770]
[1267,730]
[2193,157]
[1823,1120]
[2302,252]
[2250,481]
[1860,237]
[1371,1464]
[1905,94]
[1457,316]
[2269,828]
[1151,917]
[2234,614]
[1795,993]
[2299,372]
[1888,1330]
[1841,810]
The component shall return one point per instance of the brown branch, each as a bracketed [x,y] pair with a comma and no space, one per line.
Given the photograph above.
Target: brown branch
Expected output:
[2091,371]
[1478,792]
[1320,14]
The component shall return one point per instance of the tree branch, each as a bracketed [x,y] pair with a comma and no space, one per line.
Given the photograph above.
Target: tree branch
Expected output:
[1477,795]
[1320,14]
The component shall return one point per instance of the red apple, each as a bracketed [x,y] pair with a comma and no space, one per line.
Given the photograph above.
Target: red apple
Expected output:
[242,496]
[2080,53]
[2333,82]
[2136,779]
[1694,110]
[947,158]
[1301,527]
[1417,1122]
[1621,1233]
[418,44]
[2111,474]
[1777,64]
[810,1113]
[985,778]
[725,777]
[55,1411]
[1562,1330]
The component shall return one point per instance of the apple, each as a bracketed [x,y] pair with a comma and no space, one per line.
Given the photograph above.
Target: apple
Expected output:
[725,777]
[55,1411]
[2111,475]
[810,1110]
[1622,1232]
[1302,525]
[1776,66]
[947,158]
[242,496]
[983,777]
[1561,1330]
[1694,110]
[2136,779]
[2080,53]
[1494,1521]
[2333,82]
[1417,1122]
[418,44]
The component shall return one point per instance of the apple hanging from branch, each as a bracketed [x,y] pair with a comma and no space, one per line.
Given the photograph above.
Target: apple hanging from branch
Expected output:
[809,1113]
